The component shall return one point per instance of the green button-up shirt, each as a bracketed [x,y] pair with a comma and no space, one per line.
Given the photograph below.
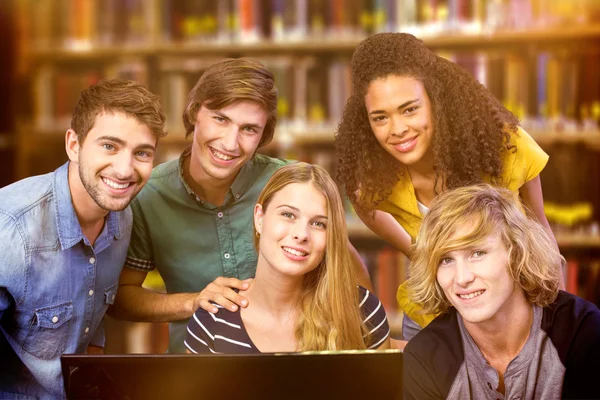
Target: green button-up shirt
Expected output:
[193,242]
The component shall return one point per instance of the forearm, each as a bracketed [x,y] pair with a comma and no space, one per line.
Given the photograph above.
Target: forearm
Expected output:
[387,228]
[135,303]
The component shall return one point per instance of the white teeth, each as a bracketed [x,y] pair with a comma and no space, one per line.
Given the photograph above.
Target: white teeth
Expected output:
[407,143]
[221,155]
[471,295]
[115,185]
[295,252]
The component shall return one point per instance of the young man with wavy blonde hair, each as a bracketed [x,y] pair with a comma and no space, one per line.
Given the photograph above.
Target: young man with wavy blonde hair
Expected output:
[504,329]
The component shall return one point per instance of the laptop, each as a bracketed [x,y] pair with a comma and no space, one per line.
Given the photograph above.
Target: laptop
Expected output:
[315,375]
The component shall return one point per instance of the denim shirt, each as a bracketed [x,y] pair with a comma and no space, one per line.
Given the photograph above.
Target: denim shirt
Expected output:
[54,286]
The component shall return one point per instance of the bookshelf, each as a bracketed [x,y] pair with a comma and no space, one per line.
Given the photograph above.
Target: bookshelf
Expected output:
[539,57]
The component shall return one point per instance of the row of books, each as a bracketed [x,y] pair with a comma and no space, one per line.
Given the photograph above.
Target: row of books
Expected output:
[85,23]
[548,91]
[583,278]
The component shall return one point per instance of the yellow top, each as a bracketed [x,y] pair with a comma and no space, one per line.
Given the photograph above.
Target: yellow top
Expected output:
[519,166]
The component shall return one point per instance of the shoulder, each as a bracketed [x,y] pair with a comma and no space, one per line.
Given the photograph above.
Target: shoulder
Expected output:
[165,169]
[21,196]
[526,146]
[523,161]
[222,332]
[269,164]
[573,326]
[368,301]
[164,172]
[374,317]
[163,181]
[436,352]
[570,321]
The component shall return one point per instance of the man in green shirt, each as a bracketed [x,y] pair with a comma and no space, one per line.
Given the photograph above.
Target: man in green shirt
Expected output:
[193,220]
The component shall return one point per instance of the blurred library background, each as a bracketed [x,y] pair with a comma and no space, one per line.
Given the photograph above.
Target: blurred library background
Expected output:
[541,58]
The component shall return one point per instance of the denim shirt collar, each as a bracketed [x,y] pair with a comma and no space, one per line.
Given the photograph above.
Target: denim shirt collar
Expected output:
[67,223]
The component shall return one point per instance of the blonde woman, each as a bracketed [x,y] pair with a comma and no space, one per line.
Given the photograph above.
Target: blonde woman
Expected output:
[304,296]
[504,329]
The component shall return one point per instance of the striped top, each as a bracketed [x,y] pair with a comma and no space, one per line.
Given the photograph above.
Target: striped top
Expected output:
[224,332]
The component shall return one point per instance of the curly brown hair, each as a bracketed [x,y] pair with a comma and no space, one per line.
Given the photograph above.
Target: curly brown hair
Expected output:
[471,128]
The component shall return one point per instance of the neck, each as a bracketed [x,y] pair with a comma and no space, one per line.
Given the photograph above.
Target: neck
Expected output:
[274,292]
[204,186]
[503,337]
[424,169]
[90,215]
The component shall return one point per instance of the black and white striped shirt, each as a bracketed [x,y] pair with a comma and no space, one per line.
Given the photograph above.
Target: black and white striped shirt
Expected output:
[224,332]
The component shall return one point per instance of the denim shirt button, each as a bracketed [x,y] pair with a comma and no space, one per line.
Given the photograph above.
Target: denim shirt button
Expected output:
[92,260]
[87,329]
[91,293]
[54,319]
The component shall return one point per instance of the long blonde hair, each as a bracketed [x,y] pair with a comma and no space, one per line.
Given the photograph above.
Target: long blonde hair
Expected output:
[329,317]
[534,260]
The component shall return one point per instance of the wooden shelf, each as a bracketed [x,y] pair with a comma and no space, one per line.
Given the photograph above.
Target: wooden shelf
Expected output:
[357,229]
[591,139]
[327,44]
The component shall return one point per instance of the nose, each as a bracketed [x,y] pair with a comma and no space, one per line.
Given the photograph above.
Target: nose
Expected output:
[123,166]
[300,232]
[398,126]
[464,275]
[230,139]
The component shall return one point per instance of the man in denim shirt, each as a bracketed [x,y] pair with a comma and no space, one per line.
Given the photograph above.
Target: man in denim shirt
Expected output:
[64,237]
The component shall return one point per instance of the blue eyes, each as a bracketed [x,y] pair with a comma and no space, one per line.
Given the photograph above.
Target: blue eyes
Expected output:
[290,215]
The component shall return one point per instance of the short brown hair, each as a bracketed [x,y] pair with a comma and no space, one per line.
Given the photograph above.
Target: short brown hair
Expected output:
[534,259]
[229,81]
[118,95]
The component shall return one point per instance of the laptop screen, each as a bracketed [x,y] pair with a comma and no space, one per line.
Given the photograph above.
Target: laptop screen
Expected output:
[314,375]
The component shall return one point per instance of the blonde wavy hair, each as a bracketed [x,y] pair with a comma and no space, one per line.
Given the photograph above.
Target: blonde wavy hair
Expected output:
[329,317]
[534,260]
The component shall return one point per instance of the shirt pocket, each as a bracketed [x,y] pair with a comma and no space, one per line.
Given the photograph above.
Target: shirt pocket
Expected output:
[49,331]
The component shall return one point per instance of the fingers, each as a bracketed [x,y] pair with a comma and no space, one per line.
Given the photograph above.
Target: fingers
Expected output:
[231,283]
[221,292]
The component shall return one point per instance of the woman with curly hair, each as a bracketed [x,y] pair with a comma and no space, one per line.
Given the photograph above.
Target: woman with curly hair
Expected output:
[417,125]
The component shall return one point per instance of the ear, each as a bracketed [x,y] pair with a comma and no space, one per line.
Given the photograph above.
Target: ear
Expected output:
[258,218]
[72,145]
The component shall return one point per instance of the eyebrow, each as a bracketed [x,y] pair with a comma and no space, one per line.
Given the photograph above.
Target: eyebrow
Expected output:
[406,103]
[141,146]
[224,116]
[298,210]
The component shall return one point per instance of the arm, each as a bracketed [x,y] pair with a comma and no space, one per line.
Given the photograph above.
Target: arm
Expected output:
[91,349]
[418,383]
[398,344]
[583,361]
[13,264]
[198,338]
[136,303]
[387,228]
[362,273]
[386,344]
[531,194]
